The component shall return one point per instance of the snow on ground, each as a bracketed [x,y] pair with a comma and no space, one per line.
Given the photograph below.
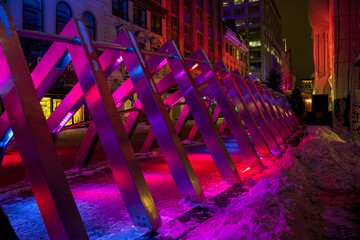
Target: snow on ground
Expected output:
[311,192]
[286,203]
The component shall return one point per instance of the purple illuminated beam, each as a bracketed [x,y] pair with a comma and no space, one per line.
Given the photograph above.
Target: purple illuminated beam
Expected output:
[255,109]
[264,111]
[51,191]
[158,117]
[112,135]
[236,126]
[268,92]
[242,108]
[285,105]
[270,108]
[199,111]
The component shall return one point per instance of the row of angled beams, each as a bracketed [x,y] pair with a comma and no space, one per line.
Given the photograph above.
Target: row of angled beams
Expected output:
[23,114]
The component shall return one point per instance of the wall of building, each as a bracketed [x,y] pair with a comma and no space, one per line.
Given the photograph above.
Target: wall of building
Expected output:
[235,56]
[336,41]
[259,22]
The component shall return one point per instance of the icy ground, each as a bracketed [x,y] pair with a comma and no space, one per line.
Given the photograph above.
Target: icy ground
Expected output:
[311,192]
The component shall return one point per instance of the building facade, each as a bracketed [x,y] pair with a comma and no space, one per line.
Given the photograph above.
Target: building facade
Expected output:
[287,70]
[336,43]
[259,22]
[196,23]
[190,23]
[235,52]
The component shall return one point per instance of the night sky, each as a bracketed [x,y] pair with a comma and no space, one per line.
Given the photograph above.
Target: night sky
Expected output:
[296,28]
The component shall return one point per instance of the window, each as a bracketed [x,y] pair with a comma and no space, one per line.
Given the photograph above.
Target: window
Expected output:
[239,23]
[63,15]
[255,65]
[156,24]
[254,9]
[238,2]
[254,20]
[120,9]
[255,54]
[226,13]
[255,44]
[253,0]
[140,16]
[239,11]
[33,15]
[89,22]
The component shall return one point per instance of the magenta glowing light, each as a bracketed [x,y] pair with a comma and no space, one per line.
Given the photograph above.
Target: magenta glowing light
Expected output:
[66,119]
[120,59]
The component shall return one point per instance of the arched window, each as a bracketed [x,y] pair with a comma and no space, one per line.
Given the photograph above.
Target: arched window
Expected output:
[89,22]
[33,15]
[63,15]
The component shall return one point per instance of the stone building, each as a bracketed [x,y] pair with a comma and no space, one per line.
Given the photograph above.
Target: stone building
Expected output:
[235,52]
[259,22]
[190,23]
[336,43]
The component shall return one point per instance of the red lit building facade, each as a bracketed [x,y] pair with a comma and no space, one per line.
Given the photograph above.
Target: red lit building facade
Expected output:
[336,42]
[194,23]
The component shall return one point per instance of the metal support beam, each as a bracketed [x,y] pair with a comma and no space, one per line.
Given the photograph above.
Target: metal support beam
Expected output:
[228,110]
[243,110]
[270,108]
[51,191]
[255,110]
[264,111]
[158,117]
[201,115]
[117,147]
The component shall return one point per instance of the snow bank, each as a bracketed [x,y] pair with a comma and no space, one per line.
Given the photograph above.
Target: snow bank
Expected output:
[283,201]
[331,163]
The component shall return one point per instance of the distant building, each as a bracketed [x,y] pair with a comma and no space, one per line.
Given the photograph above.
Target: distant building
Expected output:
[287,69]
[336,44]
[235,54]
[259,22]
[307,85]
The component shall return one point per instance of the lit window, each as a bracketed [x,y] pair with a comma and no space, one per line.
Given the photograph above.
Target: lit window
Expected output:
[63,15]
[226,3]
[253,0]
[89,21]
[239,23]
[238,2]
[120,9]
[255,44]
[33,15]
